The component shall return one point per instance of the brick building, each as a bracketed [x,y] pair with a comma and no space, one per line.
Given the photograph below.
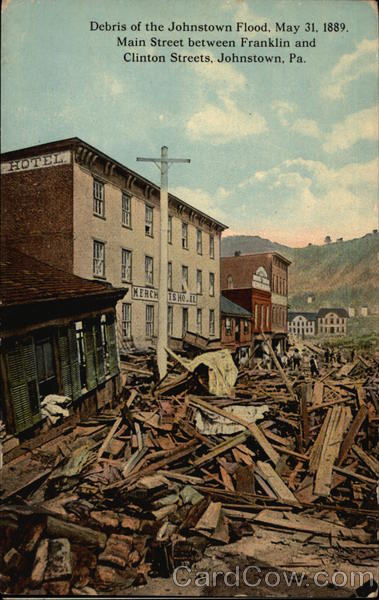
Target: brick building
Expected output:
[70,205]
[259,283]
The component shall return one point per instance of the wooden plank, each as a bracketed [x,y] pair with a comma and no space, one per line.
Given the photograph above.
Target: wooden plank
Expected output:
[111,433]
[258,435]
[361,395]
[350,437]
[221,448]
[318,392]
[353,475]
[330,449]
[245,479]
[227,480]
[277,485]
[210,517]
[369,461]
[314,457]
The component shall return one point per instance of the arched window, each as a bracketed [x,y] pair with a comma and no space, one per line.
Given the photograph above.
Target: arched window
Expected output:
[230,282]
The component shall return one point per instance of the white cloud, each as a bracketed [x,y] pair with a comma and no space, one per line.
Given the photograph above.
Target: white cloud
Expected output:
[283,110]
[220,74]
[306,127]
[219,125]
[204,201]
[350,67]
[362,125]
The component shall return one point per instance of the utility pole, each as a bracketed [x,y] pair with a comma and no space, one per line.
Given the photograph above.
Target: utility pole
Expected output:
[163,164]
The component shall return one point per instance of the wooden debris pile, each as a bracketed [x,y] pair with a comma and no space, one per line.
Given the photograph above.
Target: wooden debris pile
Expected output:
[152,484]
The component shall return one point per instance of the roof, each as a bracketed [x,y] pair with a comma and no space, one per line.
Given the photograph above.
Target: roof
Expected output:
[75,141]
[231,308]
[341,312]
[265,253]
[26,280]
[310,316]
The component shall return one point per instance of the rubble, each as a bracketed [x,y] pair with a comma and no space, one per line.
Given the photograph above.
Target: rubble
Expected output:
[172,471]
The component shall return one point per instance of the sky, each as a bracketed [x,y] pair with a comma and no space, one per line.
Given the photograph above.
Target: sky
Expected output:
[287,151]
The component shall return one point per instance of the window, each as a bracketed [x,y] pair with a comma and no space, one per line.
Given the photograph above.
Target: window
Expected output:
[126,320]
[199,282]
[126,211]
[81,352]
[229,282]
[211,284]
[98,198]
[98,259]
[199,321]
[199,241]
[103,342]
[185,236]
[211,322]
[267,315]
[211,246]
[262,315]
[228,326]
[170,320]
[169,230]
[256,315]
[169,276]
[184,279]
[149,320]
[126,265]
[149,273]
[148,220]
[47,381]
[184,321]
[246,327]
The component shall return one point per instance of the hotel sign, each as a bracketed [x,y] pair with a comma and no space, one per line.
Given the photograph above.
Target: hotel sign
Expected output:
[54,159]
[151,295]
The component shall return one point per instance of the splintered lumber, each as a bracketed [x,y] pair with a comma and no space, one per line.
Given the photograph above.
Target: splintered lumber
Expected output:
[221,448]
[280,369]
[76,533]
[210,517]
[111,433]
[369,461]
[277,485]
[306,392]
[350,437]
[330,448]
[354,475]
[314,457]
[309,524]
[361,395]
[258,435]
[318,392]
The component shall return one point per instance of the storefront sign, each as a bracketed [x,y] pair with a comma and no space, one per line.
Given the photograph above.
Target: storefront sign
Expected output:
[151,295]
[182,298]
[54,159]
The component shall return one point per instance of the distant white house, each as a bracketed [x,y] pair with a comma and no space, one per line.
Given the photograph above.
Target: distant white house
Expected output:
[302,324]
[332,321]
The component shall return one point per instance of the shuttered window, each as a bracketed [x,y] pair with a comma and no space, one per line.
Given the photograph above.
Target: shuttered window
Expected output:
[69,361]
[89,347]
[112,345]
[23,384]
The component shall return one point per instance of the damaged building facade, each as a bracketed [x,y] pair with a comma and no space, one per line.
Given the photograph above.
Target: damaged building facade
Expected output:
[259,283]
[70,205]
[58,338]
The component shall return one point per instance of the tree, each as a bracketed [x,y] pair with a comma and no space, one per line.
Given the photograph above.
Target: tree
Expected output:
[327,239]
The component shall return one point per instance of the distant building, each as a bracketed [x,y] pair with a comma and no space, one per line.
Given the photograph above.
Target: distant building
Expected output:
[236,325]
[332,321]
[302,324]
[57,336]
[351,311]
[363,311]
[310,298]
[259,283]
[328,240]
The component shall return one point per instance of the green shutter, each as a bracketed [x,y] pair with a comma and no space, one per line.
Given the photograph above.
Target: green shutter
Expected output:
[64,356]
[74,362]
[112,345]
[23,384]
[89,348]
[100,358]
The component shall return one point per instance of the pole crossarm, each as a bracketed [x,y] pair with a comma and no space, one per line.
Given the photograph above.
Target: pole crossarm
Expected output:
[163,163]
